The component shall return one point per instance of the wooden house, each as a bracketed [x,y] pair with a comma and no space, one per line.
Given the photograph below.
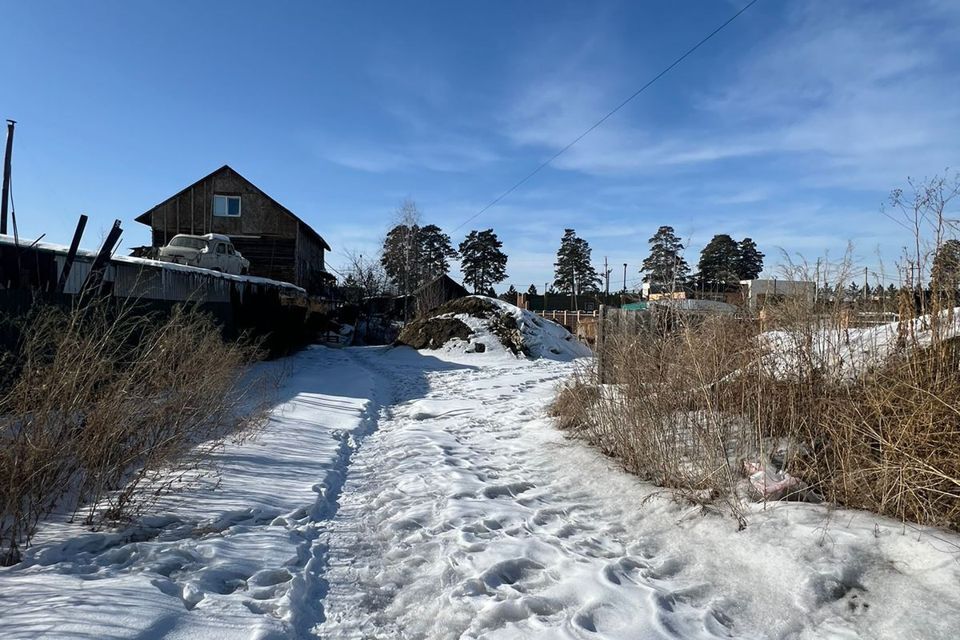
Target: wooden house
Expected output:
[278,244]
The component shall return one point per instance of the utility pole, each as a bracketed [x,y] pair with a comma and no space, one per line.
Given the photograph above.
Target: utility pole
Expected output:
[606,277]
[545,285]
[816,287]
[7,158]
[624,277]
[865,285]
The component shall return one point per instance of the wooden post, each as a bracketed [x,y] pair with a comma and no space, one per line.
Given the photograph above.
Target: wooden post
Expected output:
[72,253]
[7,158]
[601,344]
[94,281]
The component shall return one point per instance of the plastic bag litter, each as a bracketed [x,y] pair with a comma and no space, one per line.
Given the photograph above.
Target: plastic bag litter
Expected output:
[768,484]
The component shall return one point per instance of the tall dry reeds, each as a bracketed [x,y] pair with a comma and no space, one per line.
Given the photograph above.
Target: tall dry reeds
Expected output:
[686,406]
[98,401]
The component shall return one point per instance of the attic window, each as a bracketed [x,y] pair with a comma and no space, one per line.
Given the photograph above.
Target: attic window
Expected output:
[226,206]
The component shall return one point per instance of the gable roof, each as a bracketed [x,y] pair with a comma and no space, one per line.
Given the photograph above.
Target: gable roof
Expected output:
[144,218]
[443,280]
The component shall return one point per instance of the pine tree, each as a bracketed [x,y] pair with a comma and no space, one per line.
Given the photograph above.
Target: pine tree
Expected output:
[435,252]
[413,255]
[532,291]
[946,266]
[482,262]
[853,292]
[573,271]
[750,260]
[719,264]
[510,295]
[665,269]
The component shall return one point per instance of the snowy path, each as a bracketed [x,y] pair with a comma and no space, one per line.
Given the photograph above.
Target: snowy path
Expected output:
[467,515]
[402,495]
[240,561]
[461,517]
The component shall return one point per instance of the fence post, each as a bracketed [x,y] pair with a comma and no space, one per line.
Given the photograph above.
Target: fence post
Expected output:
[601,346]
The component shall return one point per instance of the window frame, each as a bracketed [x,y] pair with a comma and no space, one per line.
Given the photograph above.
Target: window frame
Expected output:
[227,197]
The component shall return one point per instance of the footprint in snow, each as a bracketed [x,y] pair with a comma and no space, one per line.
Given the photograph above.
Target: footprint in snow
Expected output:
[512,572]
[514,489]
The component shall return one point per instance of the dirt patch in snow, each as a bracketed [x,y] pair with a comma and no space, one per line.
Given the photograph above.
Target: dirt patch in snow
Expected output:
[507,330]
[489,325]
[471,305]
[433,333]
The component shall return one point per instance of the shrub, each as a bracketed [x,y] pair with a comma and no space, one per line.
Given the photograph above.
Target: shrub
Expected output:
[100,401]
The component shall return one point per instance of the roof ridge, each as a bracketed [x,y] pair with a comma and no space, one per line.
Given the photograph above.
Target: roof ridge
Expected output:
[144,218]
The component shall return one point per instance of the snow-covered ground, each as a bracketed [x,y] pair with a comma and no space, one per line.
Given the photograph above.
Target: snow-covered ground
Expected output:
[405,494]
[848,353]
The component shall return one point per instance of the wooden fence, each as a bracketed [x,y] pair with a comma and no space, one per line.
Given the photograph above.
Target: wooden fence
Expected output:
[570,319]
[612,322]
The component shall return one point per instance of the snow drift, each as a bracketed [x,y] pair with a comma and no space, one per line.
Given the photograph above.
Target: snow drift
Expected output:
[478,324]
[846,353]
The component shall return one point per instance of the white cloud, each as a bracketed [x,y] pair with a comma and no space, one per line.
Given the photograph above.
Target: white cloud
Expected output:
[449,155]
[863,93]
[849,95]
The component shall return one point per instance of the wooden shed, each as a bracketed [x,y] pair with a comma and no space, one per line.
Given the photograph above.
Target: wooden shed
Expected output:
[436,292]
[278,244]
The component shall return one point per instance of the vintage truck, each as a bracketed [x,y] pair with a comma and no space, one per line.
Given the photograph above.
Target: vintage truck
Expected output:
[211,251]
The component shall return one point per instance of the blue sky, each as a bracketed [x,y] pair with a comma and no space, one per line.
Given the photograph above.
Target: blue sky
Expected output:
[790,127]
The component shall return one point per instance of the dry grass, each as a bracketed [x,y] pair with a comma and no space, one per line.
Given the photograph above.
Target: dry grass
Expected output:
[688,402]
[890,441]
[574,405]
[100,403]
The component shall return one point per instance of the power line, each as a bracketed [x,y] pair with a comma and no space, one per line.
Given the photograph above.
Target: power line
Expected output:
[330,266]
[607,116]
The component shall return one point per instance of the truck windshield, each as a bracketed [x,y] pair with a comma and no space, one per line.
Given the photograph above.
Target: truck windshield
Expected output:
[190,243]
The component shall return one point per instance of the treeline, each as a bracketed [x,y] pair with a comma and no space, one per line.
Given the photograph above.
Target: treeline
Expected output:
[414,253]
[723,263]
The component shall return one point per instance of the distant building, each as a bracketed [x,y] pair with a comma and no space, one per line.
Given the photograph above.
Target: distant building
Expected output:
[278,244]
[436,292]
[756,294]
[675,295]
[693,305]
